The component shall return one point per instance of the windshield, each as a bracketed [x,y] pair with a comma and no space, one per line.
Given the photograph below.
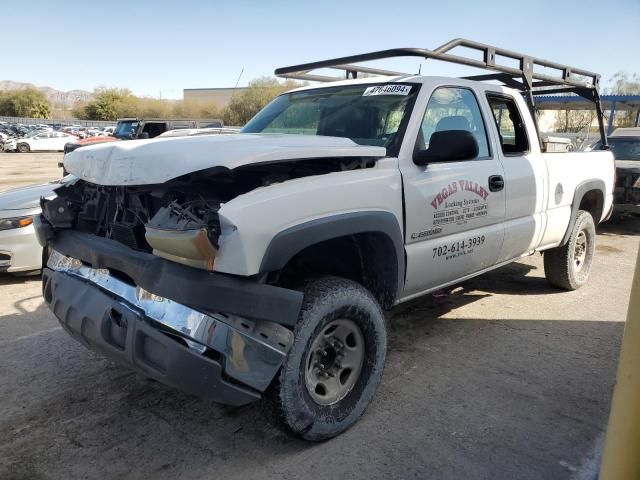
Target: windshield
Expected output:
[367,114]
[625,148]
[125,129]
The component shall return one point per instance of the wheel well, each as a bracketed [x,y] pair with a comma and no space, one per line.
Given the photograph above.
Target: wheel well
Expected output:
[367,258]
[593,202]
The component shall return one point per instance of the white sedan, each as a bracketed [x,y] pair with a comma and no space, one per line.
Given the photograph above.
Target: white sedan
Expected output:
[40,142]
[20,251]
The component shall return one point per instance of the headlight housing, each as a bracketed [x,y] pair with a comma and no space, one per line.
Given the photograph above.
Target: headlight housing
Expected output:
[17,222]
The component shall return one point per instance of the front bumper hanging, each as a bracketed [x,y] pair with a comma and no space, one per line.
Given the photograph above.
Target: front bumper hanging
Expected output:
[199,289]
[225,358]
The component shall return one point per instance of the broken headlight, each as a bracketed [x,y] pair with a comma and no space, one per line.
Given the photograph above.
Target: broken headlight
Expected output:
[185,234]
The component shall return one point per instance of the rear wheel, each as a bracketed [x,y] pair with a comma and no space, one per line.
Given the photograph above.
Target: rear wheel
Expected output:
[23,147]
[336,362]
[568,266]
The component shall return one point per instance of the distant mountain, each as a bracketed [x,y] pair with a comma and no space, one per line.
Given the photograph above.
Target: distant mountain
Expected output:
[56,97]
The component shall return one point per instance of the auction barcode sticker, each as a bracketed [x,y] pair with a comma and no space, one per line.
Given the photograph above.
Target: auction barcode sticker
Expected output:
[387,90]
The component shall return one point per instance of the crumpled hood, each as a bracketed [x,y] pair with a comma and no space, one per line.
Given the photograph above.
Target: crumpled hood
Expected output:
[146,162]
[26,198]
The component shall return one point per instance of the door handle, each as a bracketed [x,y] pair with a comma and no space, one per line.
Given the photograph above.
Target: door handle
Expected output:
[496,183]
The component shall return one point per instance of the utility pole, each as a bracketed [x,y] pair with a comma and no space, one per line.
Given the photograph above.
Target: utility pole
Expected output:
[238,80]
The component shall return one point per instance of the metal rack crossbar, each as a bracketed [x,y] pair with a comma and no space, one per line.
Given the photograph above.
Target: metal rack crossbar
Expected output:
[525,77]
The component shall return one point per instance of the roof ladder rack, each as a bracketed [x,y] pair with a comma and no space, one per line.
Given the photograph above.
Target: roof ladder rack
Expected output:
[525,77]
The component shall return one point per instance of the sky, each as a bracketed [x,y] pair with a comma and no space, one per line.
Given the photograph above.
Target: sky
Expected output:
[157,48]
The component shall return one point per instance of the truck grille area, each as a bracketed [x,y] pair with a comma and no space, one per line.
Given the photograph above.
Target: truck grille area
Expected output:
[130,235]
[123,214]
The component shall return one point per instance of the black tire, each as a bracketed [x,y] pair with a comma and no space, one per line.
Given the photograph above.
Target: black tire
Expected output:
[561,266]
[327,300]
[23,148]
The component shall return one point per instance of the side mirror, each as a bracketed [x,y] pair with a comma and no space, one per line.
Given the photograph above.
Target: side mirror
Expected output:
[448,146]
[143,136]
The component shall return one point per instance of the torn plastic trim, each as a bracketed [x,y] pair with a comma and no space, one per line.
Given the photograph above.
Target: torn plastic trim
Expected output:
[253,350]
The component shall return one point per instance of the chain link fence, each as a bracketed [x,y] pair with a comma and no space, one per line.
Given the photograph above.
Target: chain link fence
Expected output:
[55,121]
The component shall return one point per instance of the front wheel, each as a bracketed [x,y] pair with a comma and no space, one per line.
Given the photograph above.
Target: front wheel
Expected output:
[568,266]
[336,362]
[23,147]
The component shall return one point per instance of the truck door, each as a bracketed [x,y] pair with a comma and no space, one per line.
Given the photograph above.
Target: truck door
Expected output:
[454,210]
[153,129]
[524,174]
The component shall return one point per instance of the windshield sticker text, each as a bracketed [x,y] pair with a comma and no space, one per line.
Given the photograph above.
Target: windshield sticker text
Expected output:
[387,90]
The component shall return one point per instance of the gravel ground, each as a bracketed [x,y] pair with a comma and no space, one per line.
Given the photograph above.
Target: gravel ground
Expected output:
[503,378]
[21,169]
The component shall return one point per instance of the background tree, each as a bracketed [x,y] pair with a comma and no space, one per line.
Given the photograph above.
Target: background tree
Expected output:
[28,102]
[623,83]
[573,121]
[108,104]
[246,104]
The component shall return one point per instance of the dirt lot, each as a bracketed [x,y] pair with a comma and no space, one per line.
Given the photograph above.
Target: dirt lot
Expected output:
[504,378]
[18,169]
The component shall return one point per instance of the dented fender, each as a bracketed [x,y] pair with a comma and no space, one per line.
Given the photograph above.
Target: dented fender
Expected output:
[249,222]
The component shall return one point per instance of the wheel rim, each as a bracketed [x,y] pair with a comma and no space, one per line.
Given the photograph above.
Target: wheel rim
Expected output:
[580,251]
[334,362]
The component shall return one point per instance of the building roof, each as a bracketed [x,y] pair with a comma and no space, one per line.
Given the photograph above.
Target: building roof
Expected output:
[574,102]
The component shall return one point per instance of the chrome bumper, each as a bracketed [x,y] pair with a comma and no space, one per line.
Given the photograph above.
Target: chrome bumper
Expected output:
[251,352]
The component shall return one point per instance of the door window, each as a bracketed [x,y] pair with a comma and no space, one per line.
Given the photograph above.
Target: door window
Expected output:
[511,128]
[452,108]
[155,128]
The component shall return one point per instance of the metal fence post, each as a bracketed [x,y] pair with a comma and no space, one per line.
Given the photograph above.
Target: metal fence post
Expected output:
[621,456]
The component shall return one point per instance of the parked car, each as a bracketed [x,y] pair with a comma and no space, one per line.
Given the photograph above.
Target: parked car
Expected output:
[139,128]
[132,128]
[189,132]
[3,138]
[20,251]
[40,141]
[239,266]
[625,145]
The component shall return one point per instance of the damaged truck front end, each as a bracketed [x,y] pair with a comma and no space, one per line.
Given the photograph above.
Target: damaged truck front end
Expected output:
[132,269]
[218,336]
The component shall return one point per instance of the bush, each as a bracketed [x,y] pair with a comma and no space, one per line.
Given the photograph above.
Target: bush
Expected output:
[25,103]
[249,102]
[113,103]
[108,104]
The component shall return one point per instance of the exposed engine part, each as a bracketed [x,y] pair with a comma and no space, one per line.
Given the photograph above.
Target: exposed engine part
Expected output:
[57,210]
[182,234]
[177,220]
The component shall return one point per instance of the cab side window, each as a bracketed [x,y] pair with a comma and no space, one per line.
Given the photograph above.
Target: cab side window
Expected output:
[511,127]
[453,108]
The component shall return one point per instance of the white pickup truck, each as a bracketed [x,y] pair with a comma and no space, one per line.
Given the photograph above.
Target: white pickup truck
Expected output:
[259,264]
